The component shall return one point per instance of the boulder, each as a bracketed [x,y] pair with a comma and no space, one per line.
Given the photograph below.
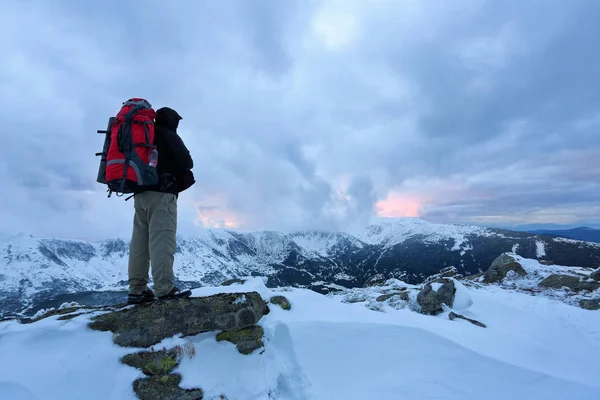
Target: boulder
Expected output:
[593,304]
[281,301]
[164,387]
[247,340]
[500,267]
[147,324]
[452,316]
[595,275]
[431,300]
[574,283]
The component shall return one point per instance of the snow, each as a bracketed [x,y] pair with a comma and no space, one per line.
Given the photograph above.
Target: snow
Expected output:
[394,231]
[534,347]
[540,249]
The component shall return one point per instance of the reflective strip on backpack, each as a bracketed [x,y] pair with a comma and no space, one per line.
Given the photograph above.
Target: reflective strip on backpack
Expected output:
[133,165]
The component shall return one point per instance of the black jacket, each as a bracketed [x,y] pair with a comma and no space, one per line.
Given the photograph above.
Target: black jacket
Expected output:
[174,159]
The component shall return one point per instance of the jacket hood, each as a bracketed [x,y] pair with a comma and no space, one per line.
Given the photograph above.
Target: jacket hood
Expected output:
[167,118]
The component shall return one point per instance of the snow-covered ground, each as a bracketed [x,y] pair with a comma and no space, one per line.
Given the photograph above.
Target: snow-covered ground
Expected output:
[533,347]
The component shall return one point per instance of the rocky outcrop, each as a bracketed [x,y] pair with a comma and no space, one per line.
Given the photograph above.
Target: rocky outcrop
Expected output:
[146,325]
[593,304]
[500,267]
[281,301]
[574,283]
[164,387]
[595,275]
[247,340]
[431,300]
[452,316]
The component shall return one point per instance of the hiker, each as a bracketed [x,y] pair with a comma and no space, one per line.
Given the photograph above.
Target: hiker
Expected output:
[155,220]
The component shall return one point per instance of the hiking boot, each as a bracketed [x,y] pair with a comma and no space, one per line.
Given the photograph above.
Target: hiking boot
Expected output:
[176,293]
[145,297]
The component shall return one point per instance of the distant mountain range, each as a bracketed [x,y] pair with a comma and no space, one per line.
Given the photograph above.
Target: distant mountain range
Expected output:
[33,270]
[583,233]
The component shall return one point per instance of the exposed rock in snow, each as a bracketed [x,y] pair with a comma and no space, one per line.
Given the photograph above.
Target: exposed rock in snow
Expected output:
[500,267]
[430,299]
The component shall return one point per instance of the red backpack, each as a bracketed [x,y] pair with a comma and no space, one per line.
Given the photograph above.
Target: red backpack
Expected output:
[129,156]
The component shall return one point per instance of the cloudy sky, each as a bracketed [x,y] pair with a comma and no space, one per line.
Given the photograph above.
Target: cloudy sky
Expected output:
[306,114]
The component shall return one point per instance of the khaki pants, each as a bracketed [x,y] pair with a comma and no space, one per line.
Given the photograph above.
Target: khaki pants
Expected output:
[153,241]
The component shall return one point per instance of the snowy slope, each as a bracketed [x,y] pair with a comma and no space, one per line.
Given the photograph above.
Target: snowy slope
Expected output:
[533,348]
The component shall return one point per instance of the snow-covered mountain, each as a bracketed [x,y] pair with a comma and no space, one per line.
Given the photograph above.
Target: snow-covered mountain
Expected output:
[34,270]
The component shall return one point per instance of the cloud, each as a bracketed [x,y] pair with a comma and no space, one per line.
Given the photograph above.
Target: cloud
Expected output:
[307,115]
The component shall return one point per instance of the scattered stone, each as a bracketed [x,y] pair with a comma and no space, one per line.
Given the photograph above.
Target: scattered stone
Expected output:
[595,275]
[164,387]
[230,282]
[147,324]
[281,301]
[247,340]
[453,315]
[559,281]
[500,267]
[546,262]
[403,295]
[153,362]
[431,301]
[375,280]
[593,304]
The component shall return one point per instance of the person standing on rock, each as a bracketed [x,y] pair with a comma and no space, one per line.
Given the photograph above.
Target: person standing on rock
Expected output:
[153,240]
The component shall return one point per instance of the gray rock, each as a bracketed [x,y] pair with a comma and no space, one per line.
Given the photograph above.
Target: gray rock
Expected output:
[593,304]
[375,280]
[431,301]
[595,275]
[164,387]
[153,362]
[500,267]
[454,315]
[147,324]
[230,282]
[247,340]
[403,295]
[558,281]
[281,301]
[448,272]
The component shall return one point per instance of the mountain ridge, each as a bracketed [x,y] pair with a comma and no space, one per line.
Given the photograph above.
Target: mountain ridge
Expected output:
[36,269]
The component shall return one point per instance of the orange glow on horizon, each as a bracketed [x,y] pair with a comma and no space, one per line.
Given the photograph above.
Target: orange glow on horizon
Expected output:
[215,215]
[397,205]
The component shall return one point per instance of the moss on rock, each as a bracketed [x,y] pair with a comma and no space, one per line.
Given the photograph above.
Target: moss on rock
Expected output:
[164,387]
[282,302]
[147,325]
[247,340]
[153,362]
